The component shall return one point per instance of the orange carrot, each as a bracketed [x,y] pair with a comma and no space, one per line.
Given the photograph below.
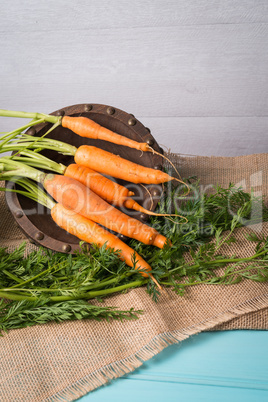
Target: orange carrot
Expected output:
[76,196]
[74,223]
[107,189]
[108,163]
[99,160]
[91,232]
[90,129]
[82,126]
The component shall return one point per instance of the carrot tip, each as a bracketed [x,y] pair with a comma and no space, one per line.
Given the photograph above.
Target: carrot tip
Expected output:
[166,293]
[155,281]
[160,241]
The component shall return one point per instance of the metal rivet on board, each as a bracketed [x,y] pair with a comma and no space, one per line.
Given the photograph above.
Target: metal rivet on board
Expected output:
[150,142]
[39,236]
[110,110]
[87,108]
[155,192]
[31,131]
[66,248]
[144,217]
[60,113]
[123,237]
[132,122]
[18,214]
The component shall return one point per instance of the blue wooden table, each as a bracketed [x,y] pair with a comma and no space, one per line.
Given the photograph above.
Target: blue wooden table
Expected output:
[211,366]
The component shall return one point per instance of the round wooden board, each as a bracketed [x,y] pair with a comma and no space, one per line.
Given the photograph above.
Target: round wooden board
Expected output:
[35,220]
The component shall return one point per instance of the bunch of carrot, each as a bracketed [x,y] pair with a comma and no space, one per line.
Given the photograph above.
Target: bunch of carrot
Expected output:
[83,196]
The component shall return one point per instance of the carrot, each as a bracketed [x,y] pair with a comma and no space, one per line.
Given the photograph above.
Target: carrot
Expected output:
[76,196]
[82,126]
[108,163]
[97,159]
[91,232]
[107,189]
[81,227]
[90,129]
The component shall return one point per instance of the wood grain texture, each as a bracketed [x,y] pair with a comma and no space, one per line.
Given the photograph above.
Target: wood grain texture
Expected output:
[174,71]
[171,60]
[28,15]
[222,136]
[224,366]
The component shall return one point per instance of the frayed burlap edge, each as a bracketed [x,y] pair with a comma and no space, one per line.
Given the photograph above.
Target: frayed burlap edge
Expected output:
[157,344]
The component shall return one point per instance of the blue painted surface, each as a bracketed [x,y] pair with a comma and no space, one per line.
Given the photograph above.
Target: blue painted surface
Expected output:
[221,366]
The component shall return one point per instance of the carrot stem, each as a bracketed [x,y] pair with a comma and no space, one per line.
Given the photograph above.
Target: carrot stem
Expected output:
[16,296]
[38,160]
[15,168]
[88,295]
[12,134]
[43,143]
[32,191]
[27,115]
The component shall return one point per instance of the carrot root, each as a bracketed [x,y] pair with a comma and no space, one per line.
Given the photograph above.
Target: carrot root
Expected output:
[107,189]
[91,232]
[88,128]
[174,167]
[107,163]
[110,191]
[76,196]
[131,204]
[155,281]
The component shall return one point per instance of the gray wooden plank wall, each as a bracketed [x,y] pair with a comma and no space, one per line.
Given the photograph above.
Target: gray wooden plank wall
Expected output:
[195,71]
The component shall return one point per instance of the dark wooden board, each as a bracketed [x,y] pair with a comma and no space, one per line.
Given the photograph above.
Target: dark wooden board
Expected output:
[35,220]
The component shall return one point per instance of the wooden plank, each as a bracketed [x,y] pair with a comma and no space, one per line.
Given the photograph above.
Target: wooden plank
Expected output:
[157,392]
[220,136]
[215,70]
[46,15]
[206,367]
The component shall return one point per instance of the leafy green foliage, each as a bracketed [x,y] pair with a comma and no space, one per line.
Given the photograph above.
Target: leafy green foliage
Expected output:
[49,286]
[24,313]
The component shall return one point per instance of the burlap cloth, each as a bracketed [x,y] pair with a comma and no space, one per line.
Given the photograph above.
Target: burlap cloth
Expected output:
[65,361]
